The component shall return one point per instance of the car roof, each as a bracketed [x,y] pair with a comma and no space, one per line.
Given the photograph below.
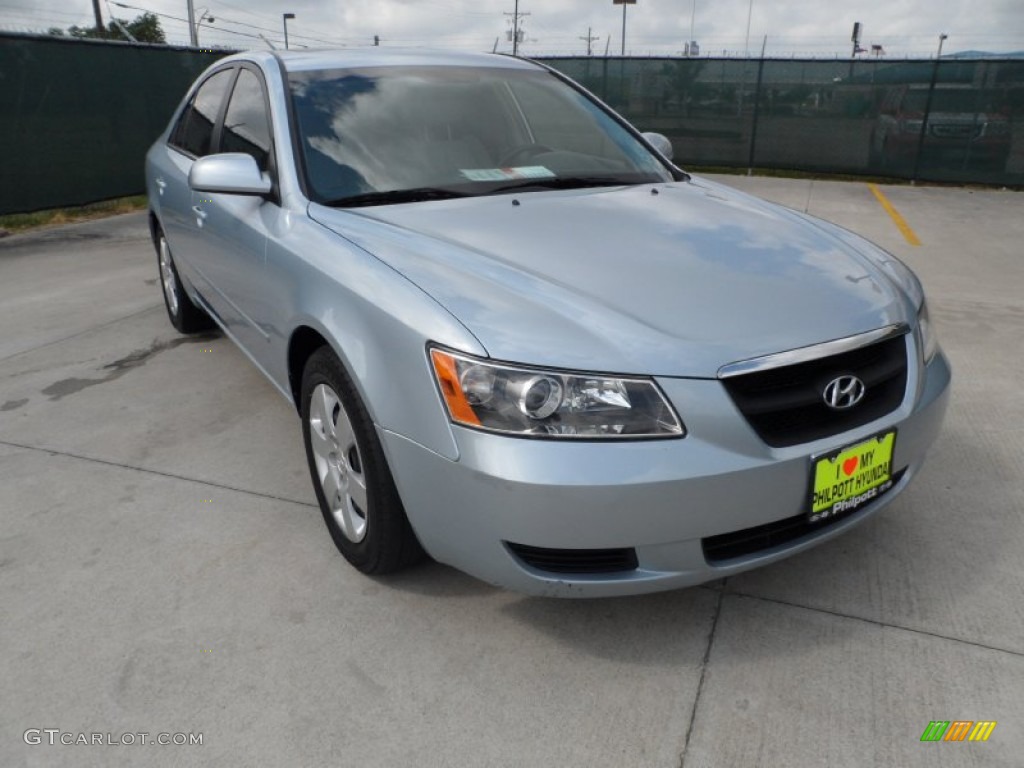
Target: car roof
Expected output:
[361,58]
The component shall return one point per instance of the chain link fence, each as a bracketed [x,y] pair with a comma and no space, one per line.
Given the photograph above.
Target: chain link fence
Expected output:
[948,120]
[78,116]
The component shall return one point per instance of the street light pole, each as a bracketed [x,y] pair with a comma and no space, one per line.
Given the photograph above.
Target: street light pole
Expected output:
[623,29]
[750,12]
[693,15]
[623,3]
[284,20]
[204,16]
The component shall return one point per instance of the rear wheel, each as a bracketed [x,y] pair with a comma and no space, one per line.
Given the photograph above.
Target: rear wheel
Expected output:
[353,484]
[183,314]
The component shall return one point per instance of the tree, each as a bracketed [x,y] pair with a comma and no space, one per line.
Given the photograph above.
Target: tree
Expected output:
[145,28]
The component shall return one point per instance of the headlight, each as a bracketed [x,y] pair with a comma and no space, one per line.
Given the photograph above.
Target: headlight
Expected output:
[929,343]
[546,403]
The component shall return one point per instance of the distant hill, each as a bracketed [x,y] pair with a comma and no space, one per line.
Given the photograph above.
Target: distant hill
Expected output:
[984,55]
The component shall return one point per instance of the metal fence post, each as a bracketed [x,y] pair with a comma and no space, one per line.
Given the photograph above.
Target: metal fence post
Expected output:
[757,110]
[924,123]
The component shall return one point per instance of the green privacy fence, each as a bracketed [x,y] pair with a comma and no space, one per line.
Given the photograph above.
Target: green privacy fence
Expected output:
[951,120]
[76,117]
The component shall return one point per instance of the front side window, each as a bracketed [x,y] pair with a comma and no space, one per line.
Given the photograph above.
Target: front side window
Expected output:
[194,131]
[246,123]
[395,134]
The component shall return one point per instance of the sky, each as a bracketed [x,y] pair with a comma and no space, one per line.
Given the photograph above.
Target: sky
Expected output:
[659,27]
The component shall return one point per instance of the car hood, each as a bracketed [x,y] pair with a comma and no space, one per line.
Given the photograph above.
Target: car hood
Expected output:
[673,279]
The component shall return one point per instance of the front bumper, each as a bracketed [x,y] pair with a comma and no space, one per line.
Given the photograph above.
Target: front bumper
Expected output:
[659,497]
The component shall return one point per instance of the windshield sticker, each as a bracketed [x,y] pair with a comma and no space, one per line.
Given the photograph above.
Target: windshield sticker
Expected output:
[508,174]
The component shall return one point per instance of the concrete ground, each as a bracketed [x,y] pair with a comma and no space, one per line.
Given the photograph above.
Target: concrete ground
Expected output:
[163,567]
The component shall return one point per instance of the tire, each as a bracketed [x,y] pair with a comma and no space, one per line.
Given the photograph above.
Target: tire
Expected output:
[350,474]
[183,314]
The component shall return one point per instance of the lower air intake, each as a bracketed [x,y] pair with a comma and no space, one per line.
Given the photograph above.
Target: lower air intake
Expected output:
[578,561]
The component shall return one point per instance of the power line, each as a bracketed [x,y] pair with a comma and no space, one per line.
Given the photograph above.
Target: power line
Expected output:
[176,18]
[228,21]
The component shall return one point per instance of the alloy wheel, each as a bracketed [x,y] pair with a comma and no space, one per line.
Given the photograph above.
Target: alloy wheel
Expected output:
[339,465]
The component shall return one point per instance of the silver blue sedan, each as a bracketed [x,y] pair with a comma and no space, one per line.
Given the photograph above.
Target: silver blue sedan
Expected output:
[520,339]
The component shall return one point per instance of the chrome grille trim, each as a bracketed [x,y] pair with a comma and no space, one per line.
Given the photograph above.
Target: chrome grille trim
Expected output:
[813,352]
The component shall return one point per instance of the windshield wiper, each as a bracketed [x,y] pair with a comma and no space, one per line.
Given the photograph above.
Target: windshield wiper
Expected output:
[394,196]
[565,182]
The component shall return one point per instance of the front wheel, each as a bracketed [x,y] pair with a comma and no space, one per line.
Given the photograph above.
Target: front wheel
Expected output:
[353,484]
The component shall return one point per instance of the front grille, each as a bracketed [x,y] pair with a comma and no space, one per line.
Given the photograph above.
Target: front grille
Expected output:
[749,541]
[575,560]
[785,405]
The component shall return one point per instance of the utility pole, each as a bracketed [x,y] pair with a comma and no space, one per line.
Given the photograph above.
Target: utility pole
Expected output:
[516,33]
[590,39]
[193,35]
[99,16]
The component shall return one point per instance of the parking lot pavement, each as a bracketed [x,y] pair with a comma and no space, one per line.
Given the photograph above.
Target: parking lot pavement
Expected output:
[163,567]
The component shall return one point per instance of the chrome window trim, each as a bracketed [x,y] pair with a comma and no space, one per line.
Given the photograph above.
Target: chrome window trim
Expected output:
[813,352]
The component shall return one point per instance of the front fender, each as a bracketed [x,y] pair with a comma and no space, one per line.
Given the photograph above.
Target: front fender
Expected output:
[377,322]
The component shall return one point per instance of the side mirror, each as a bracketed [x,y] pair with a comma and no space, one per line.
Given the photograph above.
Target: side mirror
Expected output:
[233,173]
[660,143]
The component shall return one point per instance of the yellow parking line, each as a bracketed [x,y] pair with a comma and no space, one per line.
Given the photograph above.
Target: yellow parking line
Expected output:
[908,233]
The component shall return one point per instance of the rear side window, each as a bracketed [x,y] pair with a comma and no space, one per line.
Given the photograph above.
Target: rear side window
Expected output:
[194,131]
[246,124]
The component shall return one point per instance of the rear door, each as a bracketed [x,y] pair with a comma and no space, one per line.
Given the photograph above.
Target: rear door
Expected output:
[192,137]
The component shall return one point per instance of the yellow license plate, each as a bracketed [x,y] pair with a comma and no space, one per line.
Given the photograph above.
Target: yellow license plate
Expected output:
[852,477]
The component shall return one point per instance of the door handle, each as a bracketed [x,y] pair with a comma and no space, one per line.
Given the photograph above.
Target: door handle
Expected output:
[162,185]
[200,215]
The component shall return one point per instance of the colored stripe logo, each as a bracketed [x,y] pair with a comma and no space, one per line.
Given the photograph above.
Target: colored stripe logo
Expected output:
[958,730]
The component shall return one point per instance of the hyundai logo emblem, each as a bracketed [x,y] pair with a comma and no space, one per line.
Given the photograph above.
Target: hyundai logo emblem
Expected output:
[843,392]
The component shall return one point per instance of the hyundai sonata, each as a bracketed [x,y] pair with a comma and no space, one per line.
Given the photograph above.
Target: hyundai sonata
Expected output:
[523,341]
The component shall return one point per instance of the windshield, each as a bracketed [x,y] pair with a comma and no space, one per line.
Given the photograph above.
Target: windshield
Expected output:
[395,134]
